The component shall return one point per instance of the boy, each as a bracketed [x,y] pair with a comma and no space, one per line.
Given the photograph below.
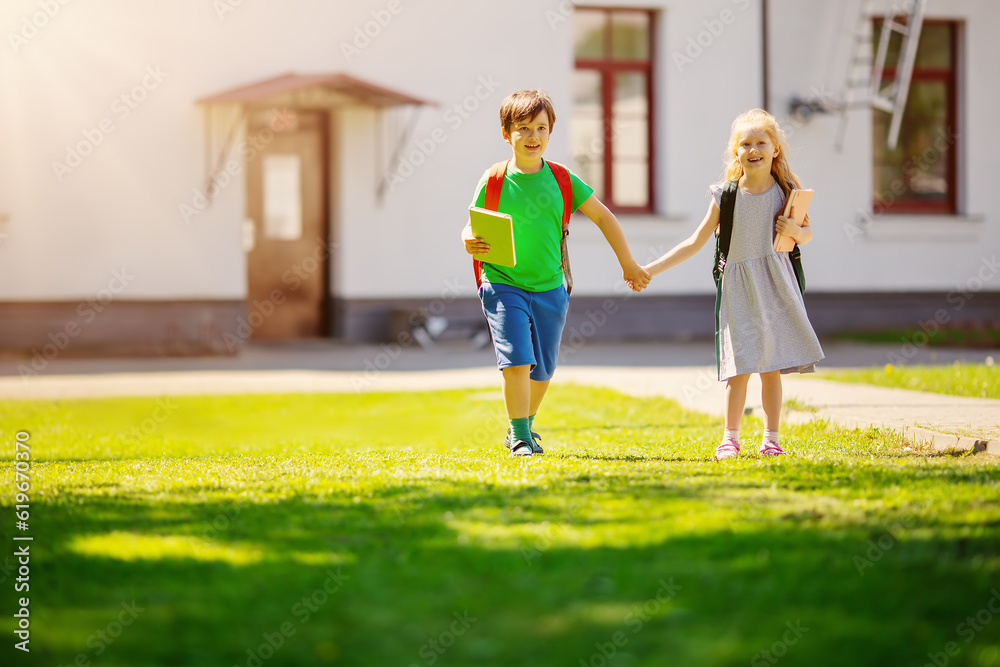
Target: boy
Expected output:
[526,305]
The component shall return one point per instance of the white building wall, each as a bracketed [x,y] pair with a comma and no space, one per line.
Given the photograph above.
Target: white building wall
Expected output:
[119,209]
[708,71]
[409,246]
[693,119]
[852,251]
[118,206]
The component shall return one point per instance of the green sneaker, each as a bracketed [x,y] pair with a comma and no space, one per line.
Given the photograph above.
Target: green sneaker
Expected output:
[535,447]
[521,448]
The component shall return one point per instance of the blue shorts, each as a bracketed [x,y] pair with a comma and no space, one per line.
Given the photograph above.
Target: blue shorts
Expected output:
[526,326]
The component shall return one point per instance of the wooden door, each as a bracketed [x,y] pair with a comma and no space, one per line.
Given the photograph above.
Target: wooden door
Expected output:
[288,258]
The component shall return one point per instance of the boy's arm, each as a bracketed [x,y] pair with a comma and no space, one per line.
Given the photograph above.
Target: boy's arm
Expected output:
[690,245]
[636,277]
[473,244]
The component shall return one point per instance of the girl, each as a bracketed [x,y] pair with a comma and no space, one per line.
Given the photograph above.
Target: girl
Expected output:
[762,323]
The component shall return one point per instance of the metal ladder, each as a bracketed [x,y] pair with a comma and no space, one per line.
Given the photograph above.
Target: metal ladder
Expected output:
[864,78]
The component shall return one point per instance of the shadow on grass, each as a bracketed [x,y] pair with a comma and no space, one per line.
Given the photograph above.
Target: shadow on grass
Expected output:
[400,578]
[590,428]
[629,457]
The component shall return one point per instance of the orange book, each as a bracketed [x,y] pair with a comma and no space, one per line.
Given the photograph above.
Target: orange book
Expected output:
[795,208]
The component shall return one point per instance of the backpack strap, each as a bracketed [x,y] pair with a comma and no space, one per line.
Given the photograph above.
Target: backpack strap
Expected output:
[727,206]
[795,257]
[795,254]
[722,240]
[494,184]
[566,189]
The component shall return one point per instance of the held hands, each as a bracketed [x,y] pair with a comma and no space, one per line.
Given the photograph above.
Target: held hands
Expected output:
[636,277]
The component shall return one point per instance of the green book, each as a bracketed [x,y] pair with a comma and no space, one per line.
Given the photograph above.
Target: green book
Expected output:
[497,229]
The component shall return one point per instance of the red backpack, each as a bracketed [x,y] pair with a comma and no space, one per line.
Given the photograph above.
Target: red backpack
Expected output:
[494,184]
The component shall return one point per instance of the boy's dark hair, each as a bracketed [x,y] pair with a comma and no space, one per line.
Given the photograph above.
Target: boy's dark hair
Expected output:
[526,104]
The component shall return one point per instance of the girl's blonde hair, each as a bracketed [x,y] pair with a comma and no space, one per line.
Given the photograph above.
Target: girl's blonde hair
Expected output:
[759,119]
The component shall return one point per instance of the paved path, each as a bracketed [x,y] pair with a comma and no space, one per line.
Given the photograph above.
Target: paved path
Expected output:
[682,372]
[945,422]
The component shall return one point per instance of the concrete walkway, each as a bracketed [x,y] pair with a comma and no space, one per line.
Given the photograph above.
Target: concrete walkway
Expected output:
[682,372]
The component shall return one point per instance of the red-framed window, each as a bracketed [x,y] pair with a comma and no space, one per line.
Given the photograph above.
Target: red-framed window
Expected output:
[612,122]
[921,174]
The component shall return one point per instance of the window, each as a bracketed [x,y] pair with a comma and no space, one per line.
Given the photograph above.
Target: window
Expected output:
[919,176]
[612,132]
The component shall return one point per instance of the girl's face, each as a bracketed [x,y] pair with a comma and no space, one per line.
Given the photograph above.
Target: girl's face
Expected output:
[755,151]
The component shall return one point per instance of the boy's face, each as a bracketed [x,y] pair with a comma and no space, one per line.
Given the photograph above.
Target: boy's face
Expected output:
[529,137]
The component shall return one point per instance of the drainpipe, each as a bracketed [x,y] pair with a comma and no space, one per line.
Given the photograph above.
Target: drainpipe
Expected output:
[765,58]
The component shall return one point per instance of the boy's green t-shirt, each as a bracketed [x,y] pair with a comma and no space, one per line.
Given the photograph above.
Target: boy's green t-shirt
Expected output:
[535,205]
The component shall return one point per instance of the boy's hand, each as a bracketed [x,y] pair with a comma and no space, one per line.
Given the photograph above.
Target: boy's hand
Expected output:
[636,277]
[476,246]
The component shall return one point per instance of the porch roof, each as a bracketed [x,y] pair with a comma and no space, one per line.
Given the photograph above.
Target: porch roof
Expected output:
[337,83]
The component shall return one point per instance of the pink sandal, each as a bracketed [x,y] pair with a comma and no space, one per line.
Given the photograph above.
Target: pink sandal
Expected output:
[729,448]
[771,448]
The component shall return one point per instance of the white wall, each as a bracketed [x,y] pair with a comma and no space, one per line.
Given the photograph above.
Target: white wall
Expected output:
[410,246]
[708,71]
[692,125]
[119,208]
[899,252]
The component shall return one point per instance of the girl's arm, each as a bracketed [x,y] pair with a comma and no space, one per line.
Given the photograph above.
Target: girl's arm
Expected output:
[635,276]
[787,227]
[690,245]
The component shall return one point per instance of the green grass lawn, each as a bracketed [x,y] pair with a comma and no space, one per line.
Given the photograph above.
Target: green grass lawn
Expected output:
[959,379]
[985,337]
[393,529]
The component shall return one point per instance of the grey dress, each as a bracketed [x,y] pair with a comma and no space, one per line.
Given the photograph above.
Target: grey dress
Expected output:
[763,324]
